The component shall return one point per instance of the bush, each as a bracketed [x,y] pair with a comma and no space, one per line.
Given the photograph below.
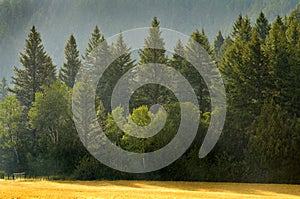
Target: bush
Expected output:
[2,174]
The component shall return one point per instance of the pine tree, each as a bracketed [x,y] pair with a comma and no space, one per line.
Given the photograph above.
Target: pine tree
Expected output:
[3,89]
[245,31]
[38,70]
[277,51]
[153,52]
[94,41]
[194,53]
[219,41]
[237,26]
[177,61]
[262,26]
[154,46]
[117,69]
[292,89]
[273,148]
[70,68]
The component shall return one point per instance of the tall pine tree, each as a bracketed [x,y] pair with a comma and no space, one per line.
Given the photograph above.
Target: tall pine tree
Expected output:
[70,68]
[38,70]
[219,41]
[94,41]
[194,53]
[262,26]
[153,52]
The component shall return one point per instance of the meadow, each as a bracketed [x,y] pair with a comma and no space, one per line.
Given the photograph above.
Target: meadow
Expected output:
[143,189]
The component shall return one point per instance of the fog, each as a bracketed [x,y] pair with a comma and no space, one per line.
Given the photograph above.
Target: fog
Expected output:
[56,20]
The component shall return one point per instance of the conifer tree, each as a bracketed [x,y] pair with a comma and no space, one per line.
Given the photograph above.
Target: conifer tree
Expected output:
[219,41]
[245,32]
[94,41]
[153,52]
[237,26]
[277,51]
[193,52]
[117,69]
[262,26]
[274,145]
[70,68]
[38,70]
[292,89]
[177,61]
[3,89]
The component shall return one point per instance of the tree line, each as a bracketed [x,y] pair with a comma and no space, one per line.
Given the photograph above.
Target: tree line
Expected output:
[260,140]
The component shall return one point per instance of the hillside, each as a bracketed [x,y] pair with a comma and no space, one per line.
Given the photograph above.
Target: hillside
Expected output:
[57,19]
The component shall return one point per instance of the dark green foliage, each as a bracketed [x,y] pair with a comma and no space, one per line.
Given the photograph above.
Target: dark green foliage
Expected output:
[192,51]
[59,19]
[262,26]
[38,70]
[69,69]
[94,41]
[3,89]
[260,141]
[219,41]
[153,52]
[273,150]
[116,70]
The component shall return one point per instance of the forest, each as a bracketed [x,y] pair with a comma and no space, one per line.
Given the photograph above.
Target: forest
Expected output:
[260,65]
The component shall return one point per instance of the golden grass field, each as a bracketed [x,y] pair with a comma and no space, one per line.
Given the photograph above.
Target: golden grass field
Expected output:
[143,189]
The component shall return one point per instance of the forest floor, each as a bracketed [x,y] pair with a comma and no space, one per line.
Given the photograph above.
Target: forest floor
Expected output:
[143,189]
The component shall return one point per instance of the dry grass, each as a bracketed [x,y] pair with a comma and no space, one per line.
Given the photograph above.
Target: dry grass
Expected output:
[143,189]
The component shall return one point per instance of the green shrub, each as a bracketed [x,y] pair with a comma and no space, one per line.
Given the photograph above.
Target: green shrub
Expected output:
[2,174]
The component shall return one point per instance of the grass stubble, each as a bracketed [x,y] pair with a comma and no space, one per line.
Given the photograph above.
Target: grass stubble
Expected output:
[143,189]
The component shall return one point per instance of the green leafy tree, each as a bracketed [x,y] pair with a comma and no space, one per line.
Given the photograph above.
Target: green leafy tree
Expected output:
[57,137]
[69,69]
[10,132]
[38,70]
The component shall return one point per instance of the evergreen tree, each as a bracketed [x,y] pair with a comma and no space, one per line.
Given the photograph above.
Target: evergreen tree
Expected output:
[292,90]
[94,41]
[195,54]
[70,68]
[177,61]
[262,26]
[38,70]
[3,89]
[278,54]
[237,26]
[154,46]
[219,41]
[121,64]
[273,149]
[245,32]
[153,52]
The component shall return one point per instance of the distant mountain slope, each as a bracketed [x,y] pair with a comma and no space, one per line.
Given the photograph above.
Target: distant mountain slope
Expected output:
[57,19]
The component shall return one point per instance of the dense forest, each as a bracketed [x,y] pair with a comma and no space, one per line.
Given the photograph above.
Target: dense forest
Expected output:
[57,19]
[260,142]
